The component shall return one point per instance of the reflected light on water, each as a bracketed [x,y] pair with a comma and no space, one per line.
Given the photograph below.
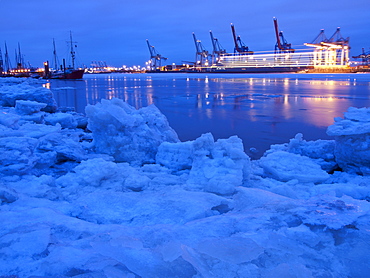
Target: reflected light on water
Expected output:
[199,101]
[324,110]
[149,99]
[209,113]
[269,108]
[286,82]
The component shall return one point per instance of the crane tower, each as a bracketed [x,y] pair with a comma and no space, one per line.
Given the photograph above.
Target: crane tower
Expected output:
[282,46]
[155,58]
[364,56]
[218,50]
[202,55]
[240,47]
[330,52]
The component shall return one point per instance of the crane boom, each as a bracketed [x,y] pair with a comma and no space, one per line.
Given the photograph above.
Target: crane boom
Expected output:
[155,58]
[320,38]
[338,38]
[213,42]
[196,43]
[281,44]
[199,47]
[234,37]
[151,49]
[239,45]
[201,55]
[218,50]
[277,34]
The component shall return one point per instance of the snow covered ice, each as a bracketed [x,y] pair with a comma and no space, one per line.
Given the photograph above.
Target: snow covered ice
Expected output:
[352,135]
[126,133]
[117,194]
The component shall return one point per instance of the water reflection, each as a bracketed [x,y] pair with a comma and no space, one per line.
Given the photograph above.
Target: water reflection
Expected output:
[261,109]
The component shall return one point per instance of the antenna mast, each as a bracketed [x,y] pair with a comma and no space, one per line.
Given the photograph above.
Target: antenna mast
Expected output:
[73,53]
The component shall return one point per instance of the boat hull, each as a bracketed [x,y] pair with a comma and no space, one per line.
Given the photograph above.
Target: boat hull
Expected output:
[74,74]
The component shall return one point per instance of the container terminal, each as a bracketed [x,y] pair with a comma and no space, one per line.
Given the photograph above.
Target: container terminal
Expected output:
[322,55]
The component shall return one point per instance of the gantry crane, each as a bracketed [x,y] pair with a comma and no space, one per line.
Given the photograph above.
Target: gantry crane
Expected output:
[218,50]
[320,38]
[240,47]
[202,55]
[364,56]
[155,58]
[282,46]
[330,52]
[340,45]
[338,39]
[19,59]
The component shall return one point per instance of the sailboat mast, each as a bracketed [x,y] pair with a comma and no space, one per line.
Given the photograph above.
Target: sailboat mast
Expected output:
[7,62]
[1,62]
[55,56]
[20,58]
[73,53]
[16,58]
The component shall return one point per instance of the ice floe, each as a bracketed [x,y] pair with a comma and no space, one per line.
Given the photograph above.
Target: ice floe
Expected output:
[116,194]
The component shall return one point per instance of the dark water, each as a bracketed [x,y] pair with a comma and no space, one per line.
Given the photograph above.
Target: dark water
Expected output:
[260,109]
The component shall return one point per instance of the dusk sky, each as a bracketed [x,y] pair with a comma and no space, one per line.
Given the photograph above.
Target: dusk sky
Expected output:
[115,31]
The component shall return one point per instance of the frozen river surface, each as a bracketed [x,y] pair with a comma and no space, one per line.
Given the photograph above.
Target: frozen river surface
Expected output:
[260,109]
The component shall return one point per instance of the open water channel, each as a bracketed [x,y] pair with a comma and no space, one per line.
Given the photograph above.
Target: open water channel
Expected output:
[261,109]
